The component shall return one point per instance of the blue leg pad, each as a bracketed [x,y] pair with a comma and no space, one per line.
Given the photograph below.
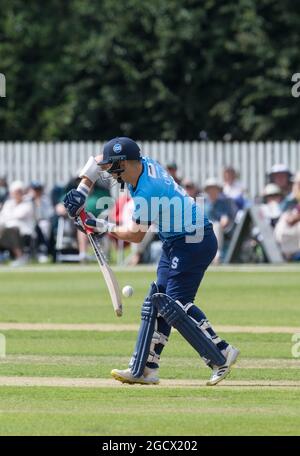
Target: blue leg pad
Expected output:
[146,331]
[174,314]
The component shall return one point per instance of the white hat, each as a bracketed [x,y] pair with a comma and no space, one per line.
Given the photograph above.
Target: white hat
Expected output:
[213,182]
[271,190]
[280,168]
[16,185]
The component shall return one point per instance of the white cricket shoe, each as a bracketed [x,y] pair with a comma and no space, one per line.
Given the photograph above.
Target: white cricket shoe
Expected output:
[21,261]
[150,376]
[220,372]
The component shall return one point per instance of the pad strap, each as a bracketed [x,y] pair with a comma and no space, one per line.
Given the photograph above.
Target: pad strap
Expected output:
[157,339]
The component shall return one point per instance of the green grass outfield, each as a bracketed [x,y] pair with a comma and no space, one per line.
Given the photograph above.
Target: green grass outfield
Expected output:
[55,380]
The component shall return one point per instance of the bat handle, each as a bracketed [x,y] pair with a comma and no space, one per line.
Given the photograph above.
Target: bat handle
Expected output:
[83,217]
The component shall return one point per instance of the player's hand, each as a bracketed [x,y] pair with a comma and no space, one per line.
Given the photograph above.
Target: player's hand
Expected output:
[98,225]
[74,202]
[80,225]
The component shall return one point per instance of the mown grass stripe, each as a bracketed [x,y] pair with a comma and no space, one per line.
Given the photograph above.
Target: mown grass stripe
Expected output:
[48,268]
[250,363]
[108,327]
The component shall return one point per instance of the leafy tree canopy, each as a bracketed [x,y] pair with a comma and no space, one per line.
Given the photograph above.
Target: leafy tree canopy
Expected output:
[153,69]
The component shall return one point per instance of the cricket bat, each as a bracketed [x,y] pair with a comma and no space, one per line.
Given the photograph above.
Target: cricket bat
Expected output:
[109,276]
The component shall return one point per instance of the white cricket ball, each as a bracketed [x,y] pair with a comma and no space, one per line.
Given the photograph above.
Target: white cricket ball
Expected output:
[127,291]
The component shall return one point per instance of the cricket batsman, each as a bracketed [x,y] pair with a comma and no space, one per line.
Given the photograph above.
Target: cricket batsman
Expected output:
[188,247]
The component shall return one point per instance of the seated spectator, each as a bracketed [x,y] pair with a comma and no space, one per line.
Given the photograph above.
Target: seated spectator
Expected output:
[281,176]
[272,198]
[291,200]
[3,191]
[56,194]
[172,170]
[287,231]
[16,223]
[43,212]
[222,211]
[233,188]
[191,188]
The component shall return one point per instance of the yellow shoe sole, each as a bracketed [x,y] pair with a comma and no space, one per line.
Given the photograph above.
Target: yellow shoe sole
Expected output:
[121,379]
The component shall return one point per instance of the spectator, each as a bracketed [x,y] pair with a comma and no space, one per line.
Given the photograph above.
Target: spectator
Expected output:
[281,176]
[43,212]
[3,191]
[232,187]
[291,200]
[191,188]
[272,198]
[172,170]
[287,231]
[56,194]
[221,210]
[16,224]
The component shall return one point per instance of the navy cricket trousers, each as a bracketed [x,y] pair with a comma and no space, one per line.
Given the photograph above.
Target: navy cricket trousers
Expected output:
[182,265]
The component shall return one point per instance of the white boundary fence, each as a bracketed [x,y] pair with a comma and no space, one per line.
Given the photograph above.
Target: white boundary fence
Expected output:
[54,163]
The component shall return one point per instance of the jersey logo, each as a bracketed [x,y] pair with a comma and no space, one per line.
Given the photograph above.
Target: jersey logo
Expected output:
[174,263]
[151,170]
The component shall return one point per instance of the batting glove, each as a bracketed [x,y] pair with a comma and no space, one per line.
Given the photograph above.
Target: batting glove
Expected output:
[99,225]
[74,202]
[79,224]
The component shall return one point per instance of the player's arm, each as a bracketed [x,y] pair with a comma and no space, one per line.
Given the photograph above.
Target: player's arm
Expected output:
[131,233]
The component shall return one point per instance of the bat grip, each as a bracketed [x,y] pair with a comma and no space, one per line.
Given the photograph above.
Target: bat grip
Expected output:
[83,217]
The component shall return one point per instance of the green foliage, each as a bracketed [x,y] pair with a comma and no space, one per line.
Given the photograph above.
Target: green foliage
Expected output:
[158,69]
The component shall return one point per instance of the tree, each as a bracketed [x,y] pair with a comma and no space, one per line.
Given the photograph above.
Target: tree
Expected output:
[158,69]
